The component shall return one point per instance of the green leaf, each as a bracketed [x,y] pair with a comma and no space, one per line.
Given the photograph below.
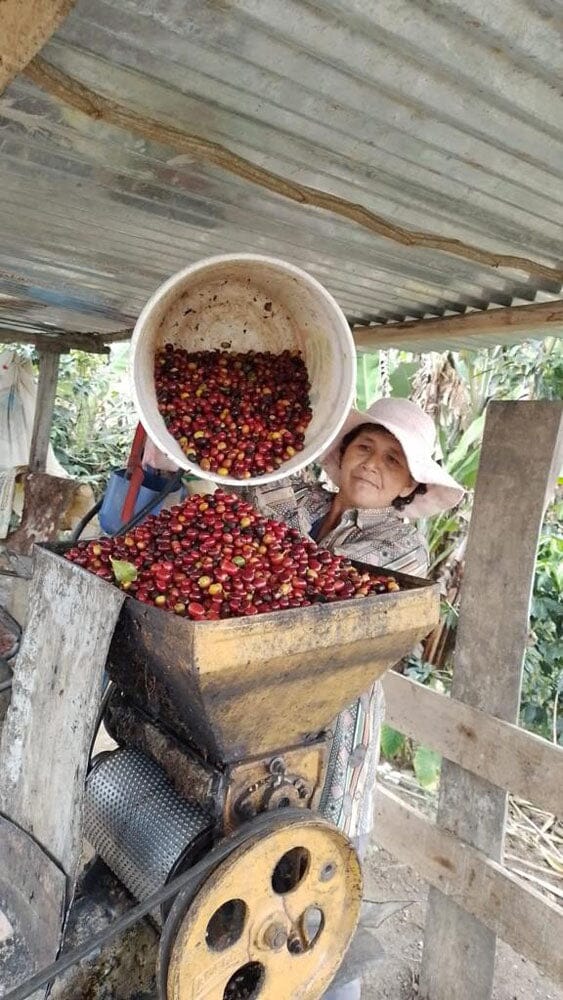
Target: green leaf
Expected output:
[402,377]
[392,742]
[124,572]
[427,764]
[367,380]
[473,434]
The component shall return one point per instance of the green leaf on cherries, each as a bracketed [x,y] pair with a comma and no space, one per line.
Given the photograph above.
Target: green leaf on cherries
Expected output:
[124,572]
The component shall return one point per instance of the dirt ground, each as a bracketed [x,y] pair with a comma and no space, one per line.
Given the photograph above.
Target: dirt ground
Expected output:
[396,977]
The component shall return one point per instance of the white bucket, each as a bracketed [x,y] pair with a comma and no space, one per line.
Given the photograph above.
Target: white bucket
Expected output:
[247,302]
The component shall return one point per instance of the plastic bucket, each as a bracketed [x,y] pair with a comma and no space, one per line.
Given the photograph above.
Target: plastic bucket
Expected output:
[116,491]
[247,302]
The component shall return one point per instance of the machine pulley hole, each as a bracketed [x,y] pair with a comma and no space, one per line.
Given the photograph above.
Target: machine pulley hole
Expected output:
[291,870]
[312,924]
[246,983]
[226,925]
[327,871]
[284,803]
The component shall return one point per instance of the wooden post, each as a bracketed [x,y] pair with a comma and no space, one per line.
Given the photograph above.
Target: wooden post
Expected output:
[44,406]
[44,747]
[55,700]
[520,456]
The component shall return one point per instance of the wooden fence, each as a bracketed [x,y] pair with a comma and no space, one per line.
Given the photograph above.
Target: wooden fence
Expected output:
[507,757]
[473,897]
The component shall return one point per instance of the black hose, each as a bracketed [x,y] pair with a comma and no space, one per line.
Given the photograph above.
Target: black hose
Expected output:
[86,520]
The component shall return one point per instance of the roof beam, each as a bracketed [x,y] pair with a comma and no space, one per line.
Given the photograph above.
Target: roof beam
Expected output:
[24,29]
[117,336]
[59,342]
[510,325]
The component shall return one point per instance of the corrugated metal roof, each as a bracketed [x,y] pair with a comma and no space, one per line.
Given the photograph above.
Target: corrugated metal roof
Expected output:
[441,115]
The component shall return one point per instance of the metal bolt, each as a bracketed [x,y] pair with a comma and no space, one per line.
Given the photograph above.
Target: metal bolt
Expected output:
[327,871]
[275,936]
[295,946]
[277,765]
[302,789]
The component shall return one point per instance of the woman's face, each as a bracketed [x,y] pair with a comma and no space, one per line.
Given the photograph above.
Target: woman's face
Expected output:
[374,471]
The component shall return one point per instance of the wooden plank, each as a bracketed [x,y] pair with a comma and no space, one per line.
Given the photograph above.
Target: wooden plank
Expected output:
[44,406]
[520,915]
[55,700]
[520,446]
[504,754]
[32,903]
[540,319]
[24,29]
[92,343]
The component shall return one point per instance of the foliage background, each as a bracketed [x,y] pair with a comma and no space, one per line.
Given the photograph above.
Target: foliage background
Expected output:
[94,418]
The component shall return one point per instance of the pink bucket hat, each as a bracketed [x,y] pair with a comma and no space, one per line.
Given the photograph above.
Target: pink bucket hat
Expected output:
[416,433]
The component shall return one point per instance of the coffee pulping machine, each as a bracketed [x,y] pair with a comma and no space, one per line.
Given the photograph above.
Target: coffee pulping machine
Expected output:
[222,734]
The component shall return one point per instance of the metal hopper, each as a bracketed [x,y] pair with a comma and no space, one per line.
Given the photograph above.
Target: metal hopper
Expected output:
[244,687]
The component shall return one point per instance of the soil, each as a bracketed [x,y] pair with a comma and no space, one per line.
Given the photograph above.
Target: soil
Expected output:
[401,936]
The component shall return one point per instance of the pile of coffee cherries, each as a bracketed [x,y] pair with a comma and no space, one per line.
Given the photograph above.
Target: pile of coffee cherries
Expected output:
[215,557]
[237,415]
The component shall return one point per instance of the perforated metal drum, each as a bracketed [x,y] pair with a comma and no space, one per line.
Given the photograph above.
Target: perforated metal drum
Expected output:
[136,821]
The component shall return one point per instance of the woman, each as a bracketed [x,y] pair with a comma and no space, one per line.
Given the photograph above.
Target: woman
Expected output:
[382,467]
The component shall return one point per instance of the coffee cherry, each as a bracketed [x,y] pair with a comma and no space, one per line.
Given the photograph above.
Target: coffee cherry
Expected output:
[238,415]
[224,560]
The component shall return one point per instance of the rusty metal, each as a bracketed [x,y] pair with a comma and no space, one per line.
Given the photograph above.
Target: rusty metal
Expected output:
[10,635]
[442,118]
[192,777]
[262,784]
[235,793]
[51,505]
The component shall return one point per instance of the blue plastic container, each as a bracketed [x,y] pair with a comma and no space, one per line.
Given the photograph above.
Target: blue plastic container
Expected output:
[116,491]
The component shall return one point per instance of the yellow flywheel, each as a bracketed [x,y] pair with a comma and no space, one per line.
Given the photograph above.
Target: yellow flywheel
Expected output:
[271,921]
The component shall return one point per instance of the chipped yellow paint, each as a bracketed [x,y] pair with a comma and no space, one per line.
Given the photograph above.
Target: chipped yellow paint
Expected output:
[271,681]
[274,925]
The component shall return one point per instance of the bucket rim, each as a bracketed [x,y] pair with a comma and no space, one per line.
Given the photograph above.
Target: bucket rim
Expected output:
[208,263]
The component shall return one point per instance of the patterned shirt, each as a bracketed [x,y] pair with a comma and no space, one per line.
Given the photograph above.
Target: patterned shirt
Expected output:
[380,538]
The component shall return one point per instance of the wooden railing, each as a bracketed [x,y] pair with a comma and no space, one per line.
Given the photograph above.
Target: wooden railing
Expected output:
[505,756]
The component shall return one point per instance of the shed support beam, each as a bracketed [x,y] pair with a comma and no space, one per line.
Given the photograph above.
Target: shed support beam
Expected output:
[539,319]
[61,342]
[44,406]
